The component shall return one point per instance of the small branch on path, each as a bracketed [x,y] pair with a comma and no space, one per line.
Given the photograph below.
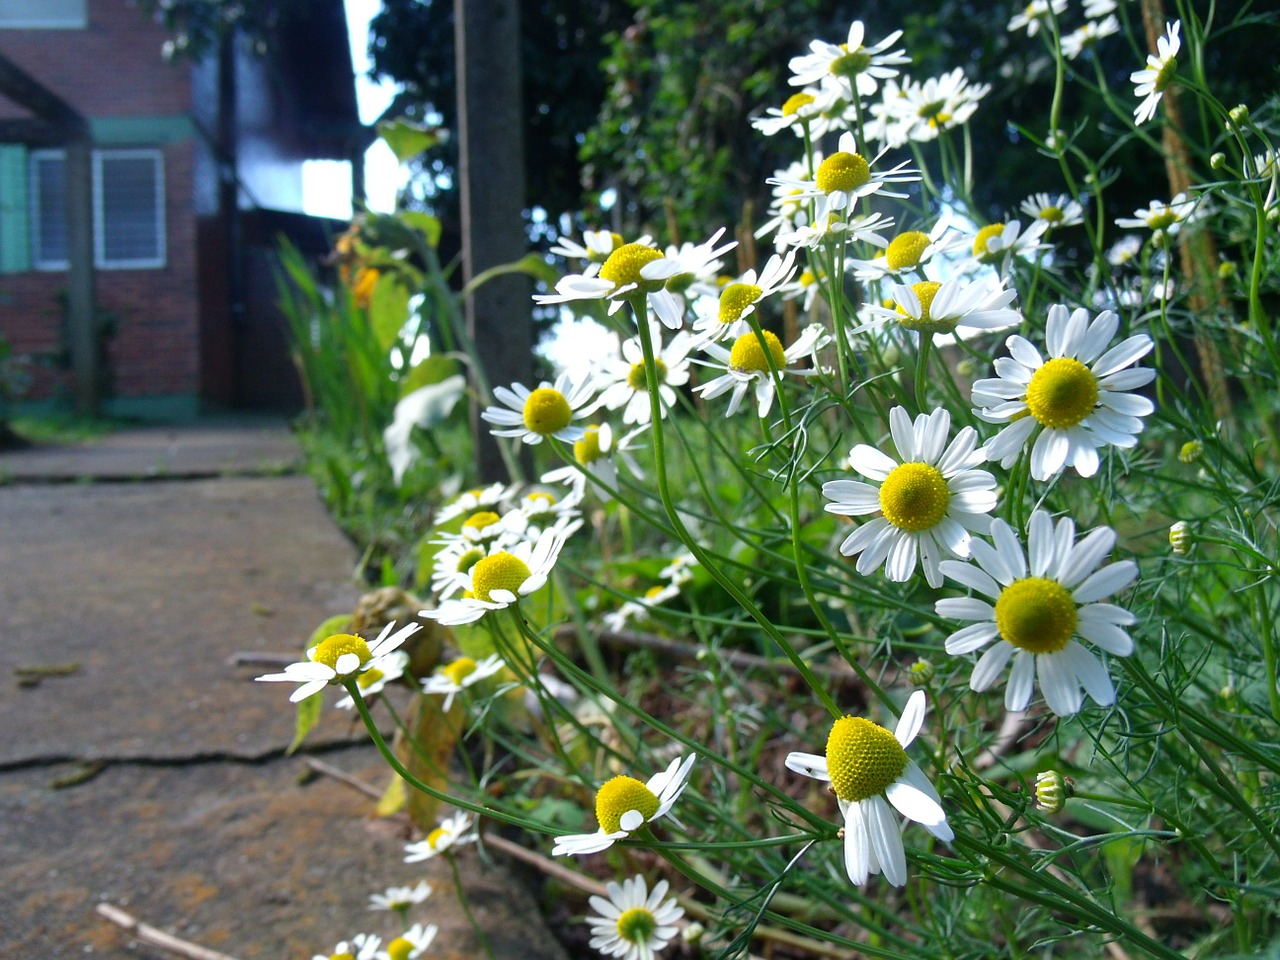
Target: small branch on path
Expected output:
[158,938]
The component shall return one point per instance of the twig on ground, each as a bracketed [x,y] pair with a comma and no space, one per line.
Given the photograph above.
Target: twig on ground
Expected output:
[157,938]
[368,789]
[254,658]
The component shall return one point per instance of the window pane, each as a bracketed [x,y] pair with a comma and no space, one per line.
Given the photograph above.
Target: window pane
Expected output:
[130,209]
[50,195]
[42,13]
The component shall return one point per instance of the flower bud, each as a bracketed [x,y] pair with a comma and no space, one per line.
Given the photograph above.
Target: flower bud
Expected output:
[1191,451]
[1218,161]
[1239,114]
[1180,538]
[921,672]
[1227,269]
[1052,790]
[693,932]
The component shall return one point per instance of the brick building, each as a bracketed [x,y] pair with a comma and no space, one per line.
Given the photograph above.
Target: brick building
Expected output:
[196,171]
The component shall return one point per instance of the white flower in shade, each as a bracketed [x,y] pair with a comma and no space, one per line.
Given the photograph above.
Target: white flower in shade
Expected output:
[1086,36]
[794,115]
[539,510]
[1043,600]
[1035,14]
[691,271]
[597,452]
[835,228]
[640,608]
[362,946]
[481,498]
[400,899]
[928,501]
[454,831]
[1164,219]
[960,308]
[851,66]
[680,569]
[871,776]
[1124,251]
[411,944]
[746,366]
[338,658]
[997,244]
[633,923]
[1093,9]
[1059,211]
[1151,81]
[846,176]
[455,676]
[788,210]
[376,675]
[624,383]
[548,411]
[499,579]
[1077,398]
[738,300]
[908,252]
[624,805]
[913,111]
[452,565]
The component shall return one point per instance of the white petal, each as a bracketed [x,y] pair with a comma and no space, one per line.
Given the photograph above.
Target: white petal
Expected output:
[970,575]
[901,562]
[900,429]
[1110,579]
[1086,555]
[1122,354]
[989,666]
[913,804]
[857,845]
[1091,673]
[970,638]
[886,840]
[965,608]
[1021,682]
[870,462]
[1009,548]
[912,718]
[1049,455]
[1107,636]
[1040,545]
[1058,683]
[808,764]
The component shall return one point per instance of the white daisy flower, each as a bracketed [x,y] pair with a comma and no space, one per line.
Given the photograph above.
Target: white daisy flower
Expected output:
[630,268]
[738,300]
[908,252]
[640,608]
[679,570]
[499,579]
[338,658]
[1164,219]
[548,411]
[850,66]
[624,384]
[411,944]
[794,115]
[1077,398]
[837,228]
[1093,9]
[539,510]
[400,899]
[634,924]
[997,244]
[1043,600]
[455,676]
[1059,211]
[376,675]
[959,308]
[869,770]
[362,946]
[598,452]
[746,366]
[481,498]
[928,501]
[1035,14]
[624,805]
[788,209]
[1151,81]
[454,831]
[846,176]
[453,562]
[913,111]
[1086,36]
[1124,250]
[691,271]
[594,250]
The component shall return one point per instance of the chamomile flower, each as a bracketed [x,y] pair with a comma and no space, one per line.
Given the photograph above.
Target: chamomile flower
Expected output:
[1077,399]
[640,608]
[794,114]
[997,244]
[548,411]
[680,569]
[624,381]
[455,676]
[1059,211]
[539,510]
[599,452]
[631,268]
[471,501]
[928,501]
[692,270]
[908,252]
[1164,219]
[362,946]
[960,308]
[633,923]
[376,675]
[746,366]
[852,66]
[1151,81]
[411,944]
[846,176]
[1036,14]
[338,658]
[594,250]
[624,805]
[452,565]
[918,112]
[499,579]
[1094,9]
[1086,36]
[738,300]
[400,899]
[871,776]
[836,228]
[1043,600]
[454,831]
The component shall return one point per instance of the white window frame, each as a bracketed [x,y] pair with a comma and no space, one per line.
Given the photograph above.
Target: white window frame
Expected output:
[33,21]
[99,225]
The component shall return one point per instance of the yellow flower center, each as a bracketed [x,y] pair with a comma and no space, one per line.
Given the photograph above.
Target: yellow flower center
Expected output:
[842,171]
[469,559]
[981,241]
[1167,70]
[539,503]
[1052,214]
[621,795]
[1036,615]
[863,759]
[1163,220]
[1062,393]
[480,520]
[925,291]
[850,64]
[498,571]
[653,592]
[369,678]
[623,266]
[399,949]
[637,380]
[637,925]
[905,249]
[914,496]
[933,113]
[459,670]
[328,650]
[587,450]
[735,298]
[808,278]
[546,411]
[345,955]
[594,256]
[747,355]
[795,102]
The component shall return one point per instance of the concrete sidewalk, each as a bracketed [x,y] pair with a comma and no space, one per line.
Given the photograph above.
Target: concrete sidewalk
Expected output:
[144,768]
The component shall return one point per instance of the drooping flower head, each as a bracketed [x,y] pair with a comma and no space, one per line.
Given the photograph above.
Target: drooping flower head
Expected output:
[1151,81]
[338,658]
[746,366]
[624,805]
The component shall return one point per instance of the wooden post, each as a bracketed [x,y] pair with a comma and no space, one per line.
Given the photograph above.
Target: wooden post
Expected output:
[491,174]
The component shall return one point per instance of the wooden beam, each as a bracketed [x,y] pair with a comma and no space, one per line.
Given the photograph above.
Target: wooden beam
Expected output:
[26,91]
[32,131]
